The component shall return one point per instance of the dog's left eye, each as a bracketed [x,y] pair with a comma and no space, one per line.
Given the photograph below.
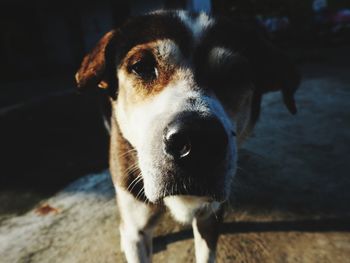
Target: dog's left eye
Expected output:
[145,68]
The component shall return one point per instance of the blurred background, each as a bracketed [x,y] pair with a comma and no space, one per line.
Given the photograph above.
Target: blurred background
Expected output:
[50,135]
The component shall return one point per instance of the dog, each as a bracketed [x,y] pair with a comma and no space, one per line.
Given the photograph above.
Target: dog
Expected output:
[185,92]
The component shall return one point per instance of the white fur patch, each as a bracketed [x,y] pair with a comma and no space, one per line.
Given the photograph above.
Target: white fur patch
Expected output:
[185,208]
[135,232]
[168,50]
[202,250]
[135,213]
[197,25]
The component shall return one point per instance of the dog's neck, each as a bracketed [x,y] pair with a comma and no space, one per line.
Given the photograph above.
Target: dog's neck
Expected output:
[124,164]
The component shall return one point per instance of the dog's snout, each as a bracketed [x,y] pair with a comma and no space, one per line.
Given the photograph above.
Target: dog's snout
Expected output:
[195,140]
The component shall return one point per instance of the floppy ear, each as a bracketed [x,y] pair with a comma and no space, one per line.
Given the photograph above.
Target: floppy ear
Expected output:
[98,67]
[273,71]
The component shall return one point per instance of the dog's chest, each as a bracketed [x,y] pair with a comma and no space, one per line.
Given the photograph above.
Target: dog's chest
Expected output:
[185,208]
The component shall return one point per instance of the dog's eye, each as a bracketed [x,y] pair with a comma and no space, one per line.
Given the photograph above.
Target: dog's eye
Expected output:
[145,68]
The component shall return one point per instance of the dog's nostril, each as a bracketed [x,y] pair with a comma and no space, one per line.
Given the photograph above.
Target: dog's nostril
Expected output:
[178,144]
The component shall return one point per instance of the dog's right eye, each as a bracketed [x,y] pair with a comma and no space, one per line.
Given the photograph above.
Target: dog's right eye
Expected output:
[145,68]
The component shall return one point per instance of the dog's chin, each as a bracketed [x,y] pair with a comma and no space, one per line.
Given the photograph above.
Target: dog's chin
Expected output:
[159,192]
[185,207]
[206,188]
[164,180]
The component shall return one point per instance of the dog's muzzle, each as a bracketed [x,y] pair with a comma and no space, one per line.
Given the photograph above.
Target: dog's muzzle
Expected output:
[193,156]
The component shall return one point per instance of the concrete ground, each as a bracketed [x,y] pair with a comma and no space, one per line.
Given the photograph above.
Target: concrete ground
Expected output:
[290,201]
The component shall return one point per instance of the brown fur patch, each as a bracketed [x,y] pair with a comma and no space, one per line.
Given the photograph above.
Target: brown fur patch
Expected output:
[144,89]
[92,69]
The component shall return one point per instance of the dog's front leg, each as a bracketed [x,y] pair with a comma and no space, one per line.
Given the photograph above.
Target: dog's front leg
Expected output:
[206,233]
[137,222]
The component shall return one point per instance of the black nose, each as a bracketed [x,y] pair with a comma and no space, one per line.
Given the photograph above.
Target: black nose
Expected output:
[196,140]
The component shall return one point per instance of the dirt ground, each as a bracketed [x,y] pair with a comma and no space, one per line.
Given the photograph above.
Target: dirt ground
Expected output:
[290,201]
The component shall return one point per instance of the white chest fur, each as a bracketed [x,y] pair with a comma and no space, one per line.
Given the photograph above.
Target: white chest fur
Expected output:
[185,208]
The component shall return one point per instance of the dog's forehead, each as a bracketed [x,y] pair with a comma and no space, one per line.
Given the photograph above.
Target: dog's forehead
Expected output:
[197,24]
[153,27]
[186,30]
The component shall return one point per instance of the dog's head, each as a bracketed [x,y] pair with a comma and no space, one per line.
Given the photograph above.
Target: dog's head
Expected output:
[185,89]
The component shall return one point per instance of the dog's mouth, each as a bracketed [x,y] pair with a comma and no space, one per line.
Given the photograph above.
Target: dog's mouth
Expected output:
[204,180]
[207,183]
